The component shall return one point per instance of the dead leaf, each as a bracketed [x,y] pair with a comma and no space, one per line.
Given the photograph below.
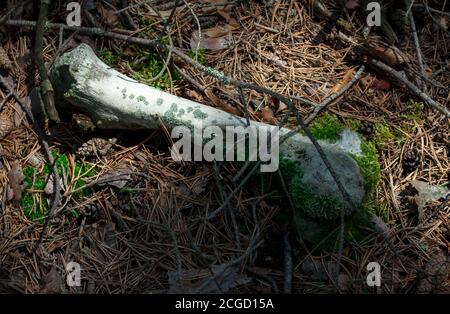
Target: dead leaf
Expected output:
[52,282]
[19,114]
[16,178]
[381,85]
[427,193]
[199,186]
[36,160]
[219,279]
[214,38]
[352,4]
[226,15]
[267,114]
[108,16]
[116,177]
[437,272]
[390,55]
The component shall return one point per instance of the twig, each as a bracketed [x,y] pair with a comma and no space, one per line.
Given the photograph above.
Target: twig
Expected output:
[50,160]
[413,88]
[8,13]
[199,29]
[267,28]
[417,45]
[47,92]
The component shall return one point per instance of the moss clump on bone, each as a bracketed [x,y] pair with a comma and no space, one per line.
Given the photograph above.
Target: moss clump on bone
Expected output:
[327,127]
[149,66]
[316,219]
[325,211]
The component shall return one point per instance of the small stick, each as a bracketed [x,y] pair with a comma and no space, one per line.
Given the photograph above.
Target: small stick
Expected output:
[46,86]
[411,87]
[417,45]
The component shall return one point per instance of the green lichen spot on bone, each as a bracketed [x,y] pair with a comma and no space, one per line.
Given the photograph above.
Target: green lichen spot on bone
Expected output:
[124,92]
[131,96]
[180,113]
[189,109]
[174,107]
[159,101]
[140,99]
[200,114]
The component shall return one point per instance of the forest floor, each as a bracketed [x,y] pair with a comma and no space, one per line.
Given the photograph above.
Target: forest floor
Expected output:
[148,232]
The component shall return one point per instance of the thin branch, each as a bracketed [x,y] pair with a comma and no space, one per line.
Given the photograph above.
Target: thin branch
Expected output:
[417,45]
[413,88]
[8,13]
[46,86]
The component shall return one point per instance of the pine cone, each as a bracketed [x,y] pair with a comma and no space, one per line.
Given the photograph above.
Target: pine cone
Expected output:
[366,129]
[411,159]
[5,63]
[97,147]
[6,124]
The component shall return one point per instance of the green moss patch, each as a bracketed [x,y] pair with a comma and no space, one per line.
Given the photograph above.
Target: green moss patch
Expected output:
[198,55]
[327,127]
[35,201]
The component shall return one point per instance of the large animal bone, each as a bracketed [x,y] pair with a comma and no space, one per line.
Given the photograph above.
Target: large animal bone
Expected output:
[115,101]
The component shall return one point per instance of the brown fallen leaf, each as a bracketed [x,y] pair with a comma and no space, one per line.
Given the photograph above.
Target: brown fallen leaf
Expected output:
[107,16]
[19,114]
[390,55]
[52,282]
[352,4]
[267,114]
[16,178]
[211,43]
[118,177]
